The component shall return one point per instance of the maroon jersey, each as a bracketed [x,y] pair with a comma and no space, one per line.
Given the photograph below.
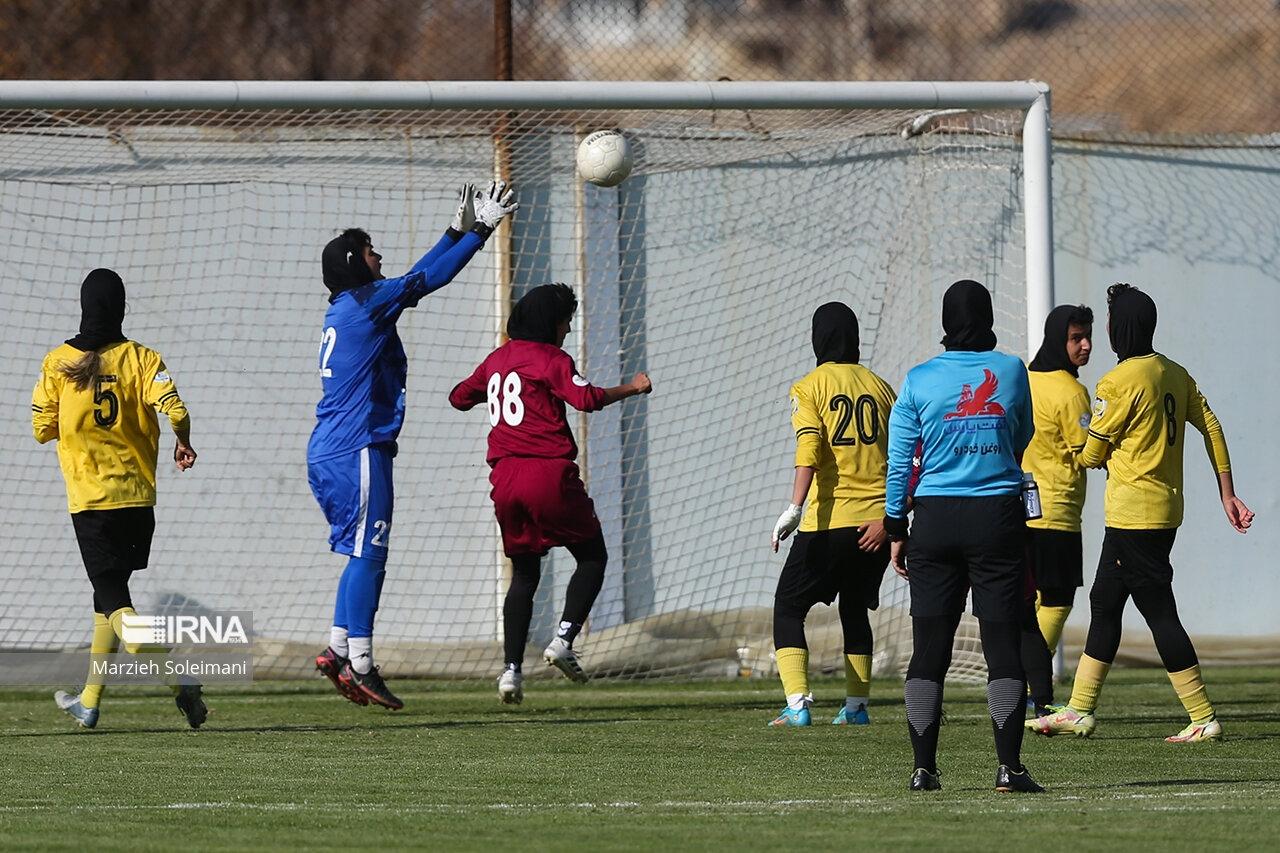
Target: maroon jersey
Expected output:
[526,384]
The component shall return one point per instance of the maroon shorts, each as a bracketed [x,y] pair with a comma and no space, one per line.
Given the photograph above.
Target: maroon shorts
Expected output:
[541,503]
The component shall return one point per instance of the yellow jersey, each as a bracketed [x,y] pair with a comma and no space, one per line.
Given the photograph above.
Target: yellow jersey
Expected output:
[840,413]
[108,434]
[1140,412]
[1061,408]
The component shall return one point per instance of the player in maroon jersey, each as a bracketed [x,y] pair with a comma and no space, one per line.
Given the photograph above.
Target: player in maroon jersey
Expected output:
[537,494]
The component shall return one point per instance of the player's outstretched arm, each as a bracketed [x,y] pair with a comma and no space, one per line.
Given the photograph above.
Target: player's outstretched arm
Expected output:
[464,219]
[639,384]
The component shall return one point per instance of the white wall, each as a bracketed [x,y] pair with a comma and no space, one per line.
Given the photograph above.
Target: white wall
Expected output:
[1200,231]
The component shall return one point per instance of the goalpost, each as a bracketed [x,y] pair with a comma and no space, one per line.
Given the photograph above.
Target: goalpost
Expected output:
[749,205]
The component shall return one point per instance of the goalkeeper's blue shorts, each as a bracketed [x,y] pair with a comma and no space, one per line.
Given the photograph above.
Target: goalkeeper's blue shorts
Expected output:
[356,494]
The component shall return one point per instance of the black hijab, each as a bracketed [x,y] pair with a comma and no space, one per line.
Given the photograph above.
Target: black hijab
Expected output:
[967,318]
[342,262]
[1132,322]
[540,311]
[101,311]
[835,333]
[1053,351]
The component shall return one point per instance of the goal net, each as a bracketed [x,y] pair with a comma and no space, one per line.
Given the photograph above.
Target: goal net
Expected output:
[703,268]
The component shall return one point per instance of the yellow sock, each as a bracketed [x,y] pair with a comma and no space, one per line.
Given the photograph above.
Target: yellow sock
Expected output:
[793,668]
[104,642]
[857,675]
[1088,684]
[117,626]
[1051,620]
[1190,689]
[116,620]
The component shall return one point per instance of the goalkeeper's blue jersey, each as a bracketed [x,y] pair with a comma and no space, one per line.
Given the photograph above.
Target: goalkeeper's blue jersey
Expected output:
[969,416]
[362,362]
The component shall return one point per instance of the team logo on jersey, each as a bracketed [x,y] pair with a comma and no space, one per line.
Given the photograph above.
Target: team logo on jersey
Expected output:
[1099,407]
[1084,420]
[795,405]
[162,377]
[978,403]
[579,381]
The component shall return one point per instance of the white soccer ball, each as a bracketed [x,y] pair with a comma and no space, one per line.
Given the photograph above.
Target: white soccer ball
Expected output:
[604,158]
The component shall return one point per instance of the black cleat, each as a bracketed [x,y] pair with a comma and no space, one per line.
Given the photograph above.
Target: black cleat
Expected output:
[370,685]
[191,705]
[923,780]
[330,664]
[1016,782]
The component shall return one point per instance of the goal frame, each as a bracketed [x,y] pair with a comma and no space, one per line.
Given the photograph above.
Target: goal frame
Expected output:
[930,100]
[1031,97]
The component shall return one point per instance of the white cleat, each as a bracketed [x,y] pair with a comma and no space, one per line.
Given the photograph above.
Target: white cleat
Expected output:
[561,655]
[510,687]
[1197,732]
[70,702]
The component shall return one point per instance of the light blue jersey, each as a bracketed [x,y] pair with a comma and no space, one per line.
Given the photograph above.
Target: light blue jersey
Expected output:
[969,416]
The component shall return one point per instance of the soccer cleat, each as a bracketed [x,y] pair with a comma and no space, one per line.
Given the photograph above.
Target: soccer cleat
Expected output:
[561,655]
[1016,782]
[370,685]
[1046,711]
[792,717]
[1066,721]
[330,663]
[511,687]
[845,717]
[191,705]
[70,702]
[1195,733]
[923,780]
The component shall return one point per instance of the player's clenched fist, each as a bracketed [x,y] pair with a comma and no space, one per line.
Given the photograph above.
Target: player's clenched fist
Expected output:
[640,382]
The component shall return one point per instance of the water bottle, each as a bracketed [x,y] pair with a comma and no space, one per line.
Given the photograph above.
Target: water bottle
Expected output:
[1030,497]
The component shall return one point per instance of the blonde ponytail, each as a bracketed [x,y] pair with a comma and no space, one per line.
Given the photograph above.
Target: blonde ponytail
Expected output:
[83,372]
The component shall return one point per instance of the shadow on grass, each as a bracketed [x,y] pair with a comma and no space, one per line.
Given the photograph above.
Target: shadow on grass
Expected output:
[303,728]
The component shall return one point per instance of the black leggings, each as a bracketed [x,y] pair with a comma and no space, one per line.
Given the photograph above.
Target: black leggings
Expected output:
[111,591]
[789,617]
[1156,604]
[526,571]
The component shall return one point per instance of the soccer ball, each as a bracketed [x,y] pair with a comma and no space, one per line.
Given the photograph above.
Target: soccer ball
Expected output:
[604,158]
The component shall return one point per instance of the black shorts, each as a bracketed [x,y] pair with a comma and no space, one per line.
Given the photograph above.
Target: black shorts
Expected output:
[826,563]
[958,543]
[1055,558]
[114,540]
[1137,557]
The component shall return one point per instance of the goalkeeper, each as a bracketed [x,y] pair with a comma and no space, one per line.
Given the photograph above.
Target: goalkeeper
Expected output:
[967,412]
[840,413]
[1140,412]
[363,371]
[97,396]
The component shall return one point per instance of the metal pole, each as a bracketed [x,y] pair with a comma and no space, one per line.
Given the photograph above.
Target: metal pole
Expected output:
[502,71]
[1037,165]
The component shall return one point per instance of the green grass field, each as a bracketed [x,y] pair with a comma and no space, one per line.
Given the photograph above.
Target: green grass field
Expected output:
[624,766]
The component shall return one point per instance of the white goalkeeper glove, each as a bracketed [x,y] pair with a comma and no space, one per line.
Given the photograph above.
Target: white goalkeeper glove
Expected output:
[494,205]
[786,524]
[465,216]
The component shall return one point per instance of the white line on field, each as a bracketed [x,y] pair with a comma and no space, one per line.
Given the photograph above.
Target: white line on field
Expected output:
[981,803]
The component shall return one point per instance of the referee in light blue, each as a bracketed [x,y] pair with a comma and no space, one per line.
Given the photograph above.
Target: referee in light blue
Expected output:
[967,413]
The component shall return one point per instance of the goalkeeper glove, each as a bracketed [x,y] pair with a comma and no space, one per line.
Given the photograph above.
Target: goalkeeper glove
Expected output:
[492,206]
[787,523]
[465,216]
